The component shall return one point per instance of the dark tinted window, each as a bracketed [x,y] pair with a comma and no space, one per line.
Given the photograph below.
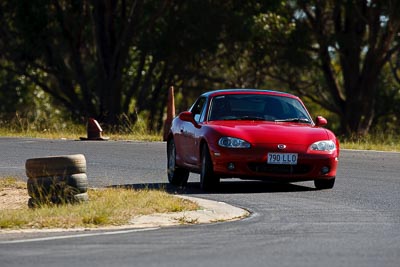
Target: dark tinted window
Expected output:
[198,109]
[256,107]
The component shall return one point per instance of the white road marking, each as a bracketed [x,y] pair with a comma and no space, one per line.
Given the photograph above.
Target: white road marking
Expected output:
[77,236]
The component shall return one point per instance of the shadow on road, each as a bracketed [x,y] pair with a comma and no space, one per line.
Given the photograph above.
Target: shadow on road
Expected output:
[236,187]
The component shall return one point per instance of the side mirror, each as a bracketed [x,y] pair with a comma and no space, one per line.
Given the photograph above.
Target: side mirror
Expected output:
[188,116]
[321,121]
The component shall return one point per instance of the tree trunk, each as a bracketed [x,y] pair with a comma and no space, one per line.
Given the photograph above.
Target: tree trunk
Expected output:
[354,34]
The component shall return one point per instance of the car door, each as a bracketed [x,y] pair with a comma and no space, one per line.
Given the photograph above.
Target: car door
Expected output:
[191,133]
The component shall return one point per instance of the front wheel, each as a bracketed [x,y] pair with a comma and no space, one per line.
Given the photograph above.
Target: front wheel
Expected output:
[324,184]
[208,180]
[176,175]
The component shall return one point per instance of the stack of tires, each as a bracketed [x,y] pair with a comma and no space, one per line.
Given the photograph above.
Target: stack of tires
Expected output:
[57,179]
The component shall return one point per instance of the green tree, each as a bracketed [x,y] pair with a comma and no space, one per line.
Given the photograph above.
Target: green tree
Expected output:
[109,58]
[76,50]
[333,53]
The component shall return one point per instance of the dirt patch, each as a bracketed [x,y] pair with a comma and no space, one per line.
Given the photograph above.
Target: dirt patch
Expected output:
[13,198]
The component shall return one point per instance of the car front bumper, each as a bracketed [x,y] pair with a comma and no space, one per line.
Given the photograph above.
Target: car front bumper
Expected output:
[252,164]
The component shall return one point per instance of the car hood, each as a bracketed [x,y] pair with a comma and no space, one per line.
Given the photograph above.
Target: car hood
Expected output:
[263,132]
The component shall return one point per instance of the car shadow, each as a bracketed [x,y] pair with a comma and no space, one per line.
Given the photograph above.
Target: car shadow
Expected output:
[226,187]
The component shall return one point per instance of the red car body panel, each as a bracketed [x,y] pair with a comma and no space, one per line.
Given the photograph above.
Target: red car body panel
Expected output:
[263,136]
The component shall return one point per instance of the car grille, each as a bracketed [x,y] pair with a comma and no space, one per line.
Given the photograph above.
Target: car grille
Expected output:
[279,169]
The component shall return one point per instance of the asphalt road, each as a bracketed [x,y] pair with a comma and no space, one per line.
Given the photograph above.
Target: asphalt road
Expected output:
[357,223]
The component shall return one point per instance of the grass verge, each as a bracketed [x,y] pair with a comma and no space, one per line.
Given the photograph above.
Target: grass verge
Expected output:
[58,128]
[379,141]
[106,207]
[77,133]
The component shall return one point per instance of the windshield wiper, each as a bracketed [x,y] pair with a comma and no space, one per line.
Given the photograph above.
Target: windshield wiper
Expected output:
[302,120]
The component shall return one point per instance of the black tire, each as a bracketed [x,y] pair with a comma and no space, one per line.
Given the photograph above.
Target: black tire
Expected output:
[208,180]
[324,183]
[69,196]
[176,176]
[33,203]
[79,198]
[78,181]
[42,186]
[55,166]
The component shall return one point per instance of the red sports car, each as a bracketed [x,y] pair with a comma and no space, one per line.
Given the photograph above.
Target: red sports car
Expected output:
[251,134]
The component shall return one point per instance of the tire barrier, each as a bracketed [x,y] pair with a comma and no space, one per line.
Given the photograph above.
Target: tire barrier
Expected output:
[55,166]
[57,179]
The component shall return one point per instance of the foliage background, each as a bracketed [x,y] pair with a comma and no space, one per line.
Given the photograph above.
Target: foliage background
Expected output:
[115,59]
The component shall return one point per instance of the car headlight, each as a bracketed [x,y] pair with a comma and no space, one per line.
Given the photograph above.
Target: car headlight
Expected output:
[232,142]
[326,145]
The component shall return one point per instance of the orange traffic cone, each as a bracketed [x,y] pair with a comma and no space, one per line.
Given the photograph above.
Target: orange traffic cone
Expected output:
[170,112]
[94,131]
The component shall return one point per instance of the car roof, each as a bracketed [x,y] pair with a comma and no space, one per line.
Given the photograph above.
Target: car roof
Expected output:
[247,91]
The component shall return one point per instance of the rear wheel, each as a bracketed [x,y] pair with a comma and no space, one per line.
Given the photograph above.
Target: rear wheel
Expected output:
[324,184]
[176,175]
[208,180]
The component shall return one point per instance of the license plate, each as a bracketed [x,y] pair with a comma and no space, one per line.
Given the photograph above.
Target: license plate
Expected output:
[282,158]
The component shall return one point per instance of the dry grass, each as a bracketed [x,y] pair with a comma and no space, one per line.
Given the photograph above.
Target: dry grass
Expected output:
[11,182]
[76,134]
[58,128]
[377,141]
[111,206]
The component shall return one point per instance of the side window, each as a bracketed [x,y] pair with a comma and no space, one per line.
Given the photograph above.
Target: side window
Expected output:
[198,109]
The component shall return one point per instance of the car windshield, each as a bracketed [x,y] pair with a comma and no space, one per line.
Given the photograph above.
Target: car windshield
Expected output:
[257,107]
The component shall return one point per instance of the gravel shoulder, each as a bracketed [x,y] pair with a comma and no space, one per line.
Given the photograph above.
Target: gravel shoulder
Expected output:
[209,212]
[13,198]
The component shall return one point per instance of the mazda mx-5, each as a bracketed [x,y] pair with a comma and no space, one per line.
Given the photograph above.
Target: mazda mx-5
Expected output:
[251,134]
